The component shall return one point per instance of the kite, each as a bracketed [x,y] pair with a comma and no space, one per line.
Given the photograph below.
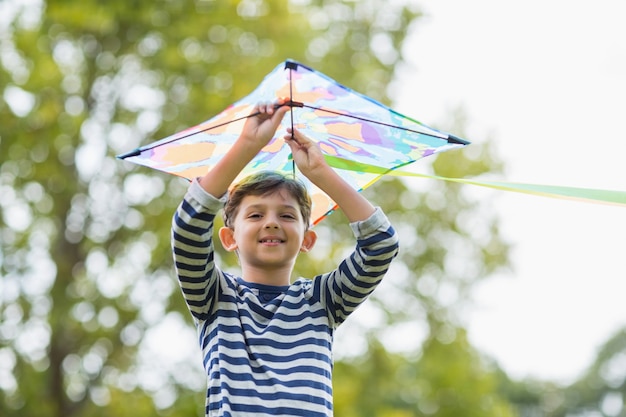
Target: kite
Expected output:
[352,130]
[361,138]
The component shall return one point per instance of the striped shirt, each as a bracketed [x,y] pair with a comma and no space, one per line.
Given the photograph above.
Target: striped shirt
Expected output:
[267,350]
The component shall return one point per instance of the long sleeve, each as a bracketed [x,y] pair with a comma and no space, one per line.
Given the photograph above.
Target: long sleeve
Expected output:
[345,288]
[192,245]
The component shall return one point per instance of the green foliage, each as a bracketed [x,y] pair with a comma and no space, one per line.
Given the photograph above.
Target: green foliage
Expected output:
[464,386]
[449,378]
[602,389]
[84,239]
[84,258]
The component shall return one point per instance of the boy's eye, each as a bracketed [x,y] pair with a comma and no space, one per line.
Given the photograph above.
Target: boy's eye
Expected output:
[286,216]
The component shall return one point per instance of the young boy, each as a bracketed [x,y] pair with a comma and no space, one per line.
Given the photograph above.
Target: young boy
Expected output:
[267,342]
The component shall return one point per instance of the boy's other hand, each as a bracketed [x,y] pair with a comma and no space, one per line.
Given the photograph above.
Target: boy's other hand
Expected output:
[306,153]
[310,161]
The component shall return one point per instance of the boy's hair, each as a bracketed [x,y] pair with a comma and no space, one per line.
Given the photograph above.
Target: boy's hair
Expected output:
[264,183]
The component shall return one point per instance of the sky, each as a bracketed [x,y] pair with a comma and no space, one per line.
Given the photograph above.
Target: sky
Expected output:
[545,81]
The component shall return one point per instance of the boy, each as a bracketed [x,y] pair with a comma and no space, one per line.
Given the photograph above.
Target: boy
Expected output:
[267,343]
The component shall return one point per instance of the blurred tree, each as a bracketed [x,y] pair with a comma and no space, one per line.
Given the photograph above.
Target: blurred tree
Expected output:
[84,239]
[448,378]
[600,391]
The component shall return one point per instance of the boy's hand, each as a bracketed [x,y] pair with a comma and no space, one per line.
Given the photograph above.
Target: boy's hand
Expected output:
[260,128]
[310,161]
[306,153]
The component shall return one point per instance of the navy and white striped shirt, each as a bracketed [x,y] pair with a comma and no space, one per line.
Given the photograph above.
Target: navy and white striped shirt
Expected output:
[267,350]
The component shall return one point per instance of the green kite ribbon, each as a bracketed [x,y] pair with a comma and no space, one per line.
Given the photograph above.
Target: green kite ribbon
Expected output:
[573,193]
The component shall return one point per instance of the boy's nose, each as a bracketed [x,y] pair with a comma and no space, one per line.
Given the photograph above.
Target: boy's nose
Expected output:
[271,223]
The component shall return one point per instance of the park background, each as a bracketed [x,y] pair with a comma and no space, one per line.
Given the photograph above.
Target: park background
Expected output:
[499,305]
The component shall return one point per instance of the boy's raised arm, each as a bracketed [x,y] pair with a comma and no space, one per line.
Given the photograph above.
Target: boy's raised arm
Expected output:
[257,133]
[311,163]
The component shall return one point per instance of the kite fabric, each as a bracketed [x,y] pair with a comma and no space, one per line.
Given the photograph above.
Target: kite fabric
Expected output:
[347,125]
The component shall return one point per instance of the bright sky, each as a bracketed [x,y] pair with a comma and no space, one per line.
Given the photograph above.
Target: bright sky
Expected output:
[546,79]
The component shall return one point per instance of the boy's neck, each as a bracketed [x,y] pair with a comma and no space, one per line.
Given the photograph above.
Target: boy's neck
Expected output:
[278,277]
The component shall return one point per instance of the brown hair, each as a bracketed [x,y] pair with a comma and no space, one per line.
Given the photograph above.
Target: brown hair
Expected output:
[264,183]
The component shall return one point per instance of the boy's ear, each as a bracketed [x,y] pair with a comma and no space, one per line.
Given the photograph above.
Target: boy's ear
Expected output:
[310,237]
[227,237]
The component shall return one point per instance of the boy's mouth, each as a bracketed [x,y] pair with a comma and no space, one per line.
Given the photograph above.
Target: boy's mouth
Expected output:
[271,240]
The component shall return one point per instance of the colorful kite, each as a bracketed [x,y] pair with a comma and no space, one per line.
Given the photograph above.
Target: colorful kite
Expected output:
[352,130]
[360,137]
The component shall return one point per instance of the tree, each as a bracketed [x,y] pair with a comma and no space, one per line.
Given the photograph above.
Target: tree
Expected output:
[447,378]
[600,391]
[84,253]
[84,239]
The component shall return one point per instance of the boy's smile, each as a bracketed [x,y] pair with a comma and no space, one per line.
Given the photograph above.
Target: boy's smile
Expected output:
[271,241]
[268,232]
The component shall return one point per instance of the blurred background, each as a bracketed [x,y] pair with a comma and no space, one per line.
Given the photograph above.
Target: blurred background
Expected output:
[92,322]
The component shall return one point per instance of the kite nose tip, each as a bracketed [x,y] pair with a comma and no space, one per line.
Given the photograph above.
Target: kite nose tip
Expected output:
[457,140]
[135,152]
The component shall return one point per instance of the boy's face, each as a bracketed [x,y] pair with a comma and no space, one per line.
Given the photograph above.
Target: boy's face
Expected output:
[268,231]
